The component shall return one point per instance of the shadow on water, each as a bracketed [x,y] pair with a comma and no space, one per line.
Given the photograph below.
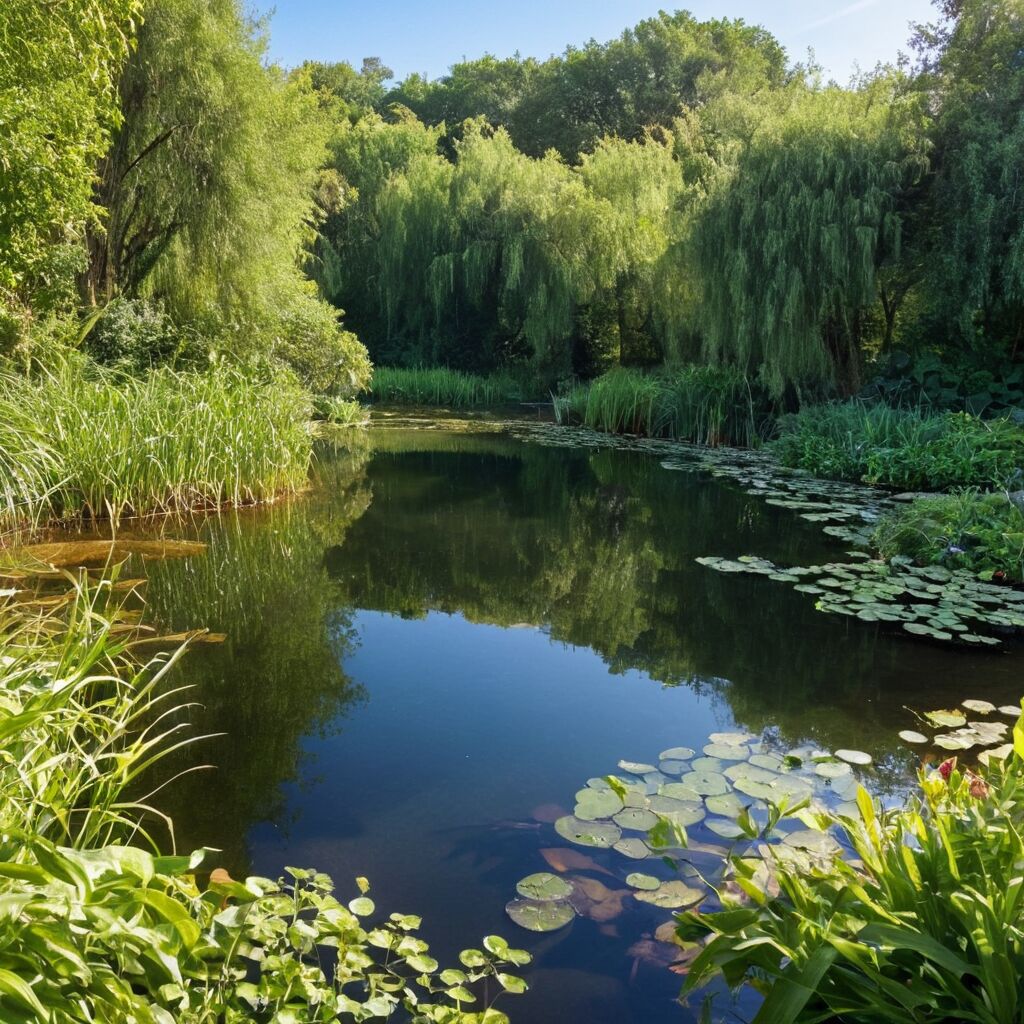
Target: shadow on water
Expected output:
[429,653]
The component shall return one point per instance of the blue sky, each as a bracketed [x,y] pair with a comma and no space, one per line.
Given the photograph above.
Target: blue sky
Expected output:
[418,35]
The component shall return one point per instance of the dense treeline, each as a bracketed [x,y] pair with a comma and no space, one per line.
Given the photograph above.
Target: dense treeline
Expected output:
[682,194]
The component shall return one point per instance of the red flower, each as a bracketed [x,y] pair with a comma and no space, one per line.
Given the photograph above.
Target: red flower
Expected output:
[979,787]
[946,768]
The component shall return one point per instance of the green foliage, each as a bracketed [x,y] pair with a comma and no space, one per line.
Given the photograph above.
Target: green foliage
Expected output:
[439,386]
[79,441]
[135,335]
[703,404]
[58,71]
[797,221]
[342,412]
[924,926]
[104,930]
[901,448]
[980,532]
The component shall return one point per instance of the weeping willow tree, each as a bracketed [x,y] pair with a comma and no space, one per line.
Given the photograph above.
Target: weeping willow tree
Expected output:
[485,260]
[799,215]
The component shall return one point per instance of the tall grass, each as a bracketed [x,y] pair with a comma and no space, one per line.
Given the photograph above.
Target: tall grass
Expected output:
[77,441]
[441,386]
[903,448]
[703,404]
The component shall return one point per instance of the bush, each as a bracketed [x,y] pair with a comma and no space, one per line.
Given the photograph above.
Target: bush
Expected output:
[901,448]
[924,925]
[339,411]
[965,530]
[704,404]
[136,335]
[441,386]
[77,440]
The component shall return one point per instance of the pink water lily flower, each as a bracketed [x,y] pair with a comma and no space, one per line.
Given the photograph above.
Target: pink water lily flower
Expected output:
[946,768]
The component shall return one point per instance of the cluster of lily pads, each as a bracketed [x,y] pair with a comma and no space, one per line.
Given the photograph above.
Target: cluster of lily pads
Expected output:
[673,815]
[930,601]
[950,729]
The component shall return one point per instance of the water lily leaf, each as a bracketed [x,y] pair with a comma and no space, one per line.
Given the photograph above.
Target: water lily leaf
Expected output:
[707,764]
[724,827]
[676,791]
[996,754]
[727,751]
[909,736]
[636,818]
[759,790]
[747,770]
[540,915]
[728,805]
[982,707]
[672,895]
[676,767]
[832,769]
[771,762]
[705,783]
[819,843]
[543,886]
[592,804]
[677,754]
[635,848]
[1011,710]
[640,881]
[946,719]
[636,767]
[682,812]
[733,739]
[854,756]
[588,833]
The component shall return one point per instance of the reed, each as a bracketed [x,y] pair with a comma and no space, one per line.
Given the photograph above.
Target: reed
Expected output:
[442,386]
[80,442]
[703,404]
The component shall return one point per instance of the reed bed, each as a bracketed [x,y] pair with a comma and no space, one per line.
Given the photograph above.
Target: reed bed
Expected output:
[703,404]
[80,442]
[442,386]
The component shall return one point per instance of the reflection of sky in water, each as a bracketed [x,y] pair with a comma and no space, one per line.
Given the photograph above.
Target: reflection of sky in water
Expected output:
[384,718]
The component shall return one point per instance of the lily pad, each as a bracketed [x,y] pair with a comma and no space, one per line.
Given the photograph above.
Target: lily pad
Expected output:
[733,739]
[854,756]
[636,818]
[543,886]
[592,804]
[724,827]
[677,754]
[676,791]
[637,849]
[909,736]
[819,843]
[670,767]
[1010,709]
[728,805]
[727,751]
[946,719]
[981,707]
[682,812]
[772,762]
[832,769]
[672,895]
[540,915]
[705,783]
[648,883]
[636,767]
[588,833]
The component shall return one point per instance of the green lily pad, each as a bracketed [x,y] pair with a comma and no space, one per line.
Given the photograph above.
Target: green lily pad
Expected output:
[854,756]
[672,895]
[673,767]
[677,754]
[724,827]
[636,818]
[707,764]
[832,769]
[819,843]
[1010,709]
[909,736]
[682,812]
[540,915]
[544,886]
[636,767]
[648,883]
[705,783]
[676,791]
[733,739]
[637,849]
[747,770]
[981,707]
[727,751]
[771,762]
[946,719]
[588,833]
[592,804]
[728,805]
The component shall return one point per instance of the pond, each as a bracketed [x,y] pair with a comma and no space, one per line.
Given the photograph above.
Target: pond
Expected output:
[433,650]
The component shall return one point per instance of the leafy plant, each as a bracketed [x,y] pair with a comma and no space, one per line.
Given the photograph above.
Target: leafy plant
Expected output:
[441,386]
[923,925]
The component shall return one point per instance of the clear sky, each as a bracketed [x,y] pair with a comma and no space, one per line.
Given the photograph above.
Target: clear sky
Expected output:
[428,36]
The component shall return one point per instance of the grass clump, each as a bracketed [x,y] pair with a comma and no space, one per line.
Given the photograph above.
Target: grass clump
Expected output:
[901,448]
[341,412]
[442,386]
[78,441]
[703,404]
[964,530]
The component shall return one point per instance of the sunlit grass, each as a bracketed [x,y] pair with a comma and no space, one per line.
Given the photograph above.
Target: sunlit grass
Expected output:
[442,386]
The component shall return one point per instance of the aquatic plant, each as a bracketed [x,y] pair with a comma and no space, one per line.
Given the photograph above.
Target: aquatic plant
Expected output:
[924,925]
[442,386]
[907,449]
[341,412]
[109,928]
[704,404]
[78,441]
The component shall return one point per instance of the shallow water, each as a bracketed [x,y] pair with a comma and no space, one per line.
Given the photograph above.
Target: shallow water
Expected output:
[432,651]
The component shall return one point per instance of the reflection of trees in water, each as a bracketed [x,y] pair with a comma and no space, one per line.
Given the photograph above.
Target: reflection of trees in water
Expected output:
[279,676]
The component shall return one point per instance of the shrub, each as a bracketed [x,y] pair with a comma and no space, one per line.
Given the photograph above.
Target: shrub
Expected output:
[76,440]
[704,404]
[925,925]
[901,448]
[965,530]
[136,335]
[339,411]
[441,386]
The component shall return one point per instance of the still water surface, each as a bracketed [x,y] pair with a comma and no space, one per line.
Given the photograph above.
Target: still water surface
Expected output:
[452,632]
